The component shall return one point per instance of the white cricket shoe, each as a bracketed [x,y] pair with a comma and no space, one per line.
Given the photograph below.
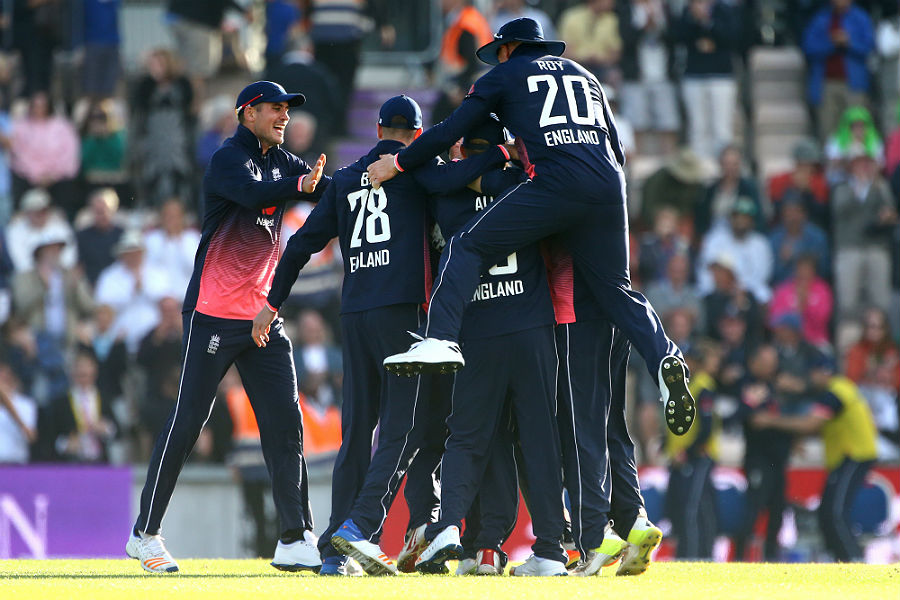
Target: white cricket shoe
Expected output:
[608,553]
[349,540]
[466,566]
[643,539]
[677,400]
[413,546]
[444,547]
[151,552]
[427,355]
[489,562]
[302,555]
[539,567]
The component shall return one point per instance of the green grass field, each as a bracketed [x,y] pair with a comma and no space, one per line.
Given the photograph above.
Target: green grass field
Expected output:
[97,579]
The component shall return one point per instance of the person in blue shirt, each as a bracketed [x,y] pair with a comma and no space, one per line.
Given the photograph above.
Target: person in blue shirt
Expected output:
[568,139]
[382,236]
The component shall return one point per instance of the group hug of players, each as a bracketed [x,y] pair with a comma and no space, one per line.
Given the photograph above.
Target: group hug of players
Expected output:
[540,403]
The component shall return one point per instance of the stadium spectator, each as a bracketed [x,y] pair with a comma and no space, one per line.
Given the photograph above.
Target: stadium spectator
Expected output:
[873,363]
[675,290]
[721,196]
[709,34]
[300,136]
[37,221]
[855,130]
[283,23]
[591,32]
[458,67]
[196,26]
[101,68]
[679,184]
[648,94]
[729,295]
[805,179]
[97,240]
[162,121]
[6,275]
[863,215]
[657,247]
[507,10]
[245,458]
[299,70]
[171,247]
[103,150]
[80,424]
[37,31]
[319,362]
[748,248]
[840,413]
[159,358]
[794,236]
[690,495]
[6,192]
[765,458]
[33,134]
[133,287]
[108,349]
[795,358]
[837,43]
[809,296]
[18,418]
[736,347]
[337,28]
[216,124]
[50,298]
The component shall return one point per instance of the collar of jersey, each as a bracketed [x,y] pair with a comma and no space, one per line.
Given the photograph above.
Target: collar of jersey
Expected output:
[385,147]
[248,139]
[530,51]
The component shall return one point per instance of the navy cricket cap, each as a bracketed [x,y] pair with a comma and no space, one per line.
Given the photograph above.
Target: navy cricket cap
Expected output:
[400,112]
[523,30]
[487,133]
[265,91]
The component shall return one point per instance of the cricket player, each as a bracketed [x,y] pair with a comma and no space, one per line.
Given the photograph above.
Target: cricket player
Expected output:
[246,186]
[561,119]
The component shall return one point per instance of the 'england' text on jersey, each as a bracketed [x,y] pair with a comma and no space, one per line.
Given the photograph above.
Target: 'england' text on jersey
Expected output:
[571,136]
[363,260]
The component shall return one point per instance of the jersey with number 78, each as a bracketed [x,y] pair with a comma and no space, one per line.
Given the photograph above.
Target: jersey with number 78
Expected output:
[552,104]
[382,233]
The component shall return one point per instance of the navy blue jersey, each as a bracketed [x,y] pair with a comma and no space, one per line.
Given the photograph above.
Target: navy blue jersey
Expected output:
[244,193]
[551,104]
[513,294]
[382,233]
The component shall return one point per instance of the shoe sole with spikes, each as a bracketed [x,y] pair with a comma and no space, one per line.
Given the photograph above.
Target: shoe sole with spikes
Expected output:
[436,564]
[679,406]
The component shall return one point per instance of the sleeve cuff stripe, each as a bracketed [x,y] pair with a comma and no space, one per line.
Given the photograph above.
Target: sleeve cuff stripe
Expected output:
[272,308]
[300,183]
[504,151]
[397,163]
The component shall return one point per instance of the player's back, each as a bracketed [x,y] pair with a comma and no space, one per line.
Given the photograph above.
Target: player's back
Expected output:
[382,235]
[559,110]
[513,294]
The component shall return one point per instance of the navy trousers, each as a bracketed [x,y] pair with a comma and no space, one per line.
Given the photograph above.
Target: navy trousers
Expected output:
[495,509]
[599,468]
[691,506]
[519,368]
[364,484]
[626,502]
[423,479]
[210,346]
[594,222]
[840,490]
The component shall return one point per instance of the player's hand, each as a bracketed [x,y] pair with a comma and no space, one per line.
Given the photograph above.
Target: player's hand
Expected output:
[261,323]
[455,151]
[382,170]
[512,149]
[313,178]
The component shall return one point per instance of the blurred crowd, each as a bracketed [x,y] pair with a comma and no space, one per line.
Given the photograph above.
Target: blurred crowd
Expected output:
[761,279]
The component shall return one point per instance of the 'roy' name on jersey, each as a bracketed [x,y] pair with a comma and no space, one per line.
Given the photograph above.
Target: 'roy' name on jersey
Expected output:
[371,224]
